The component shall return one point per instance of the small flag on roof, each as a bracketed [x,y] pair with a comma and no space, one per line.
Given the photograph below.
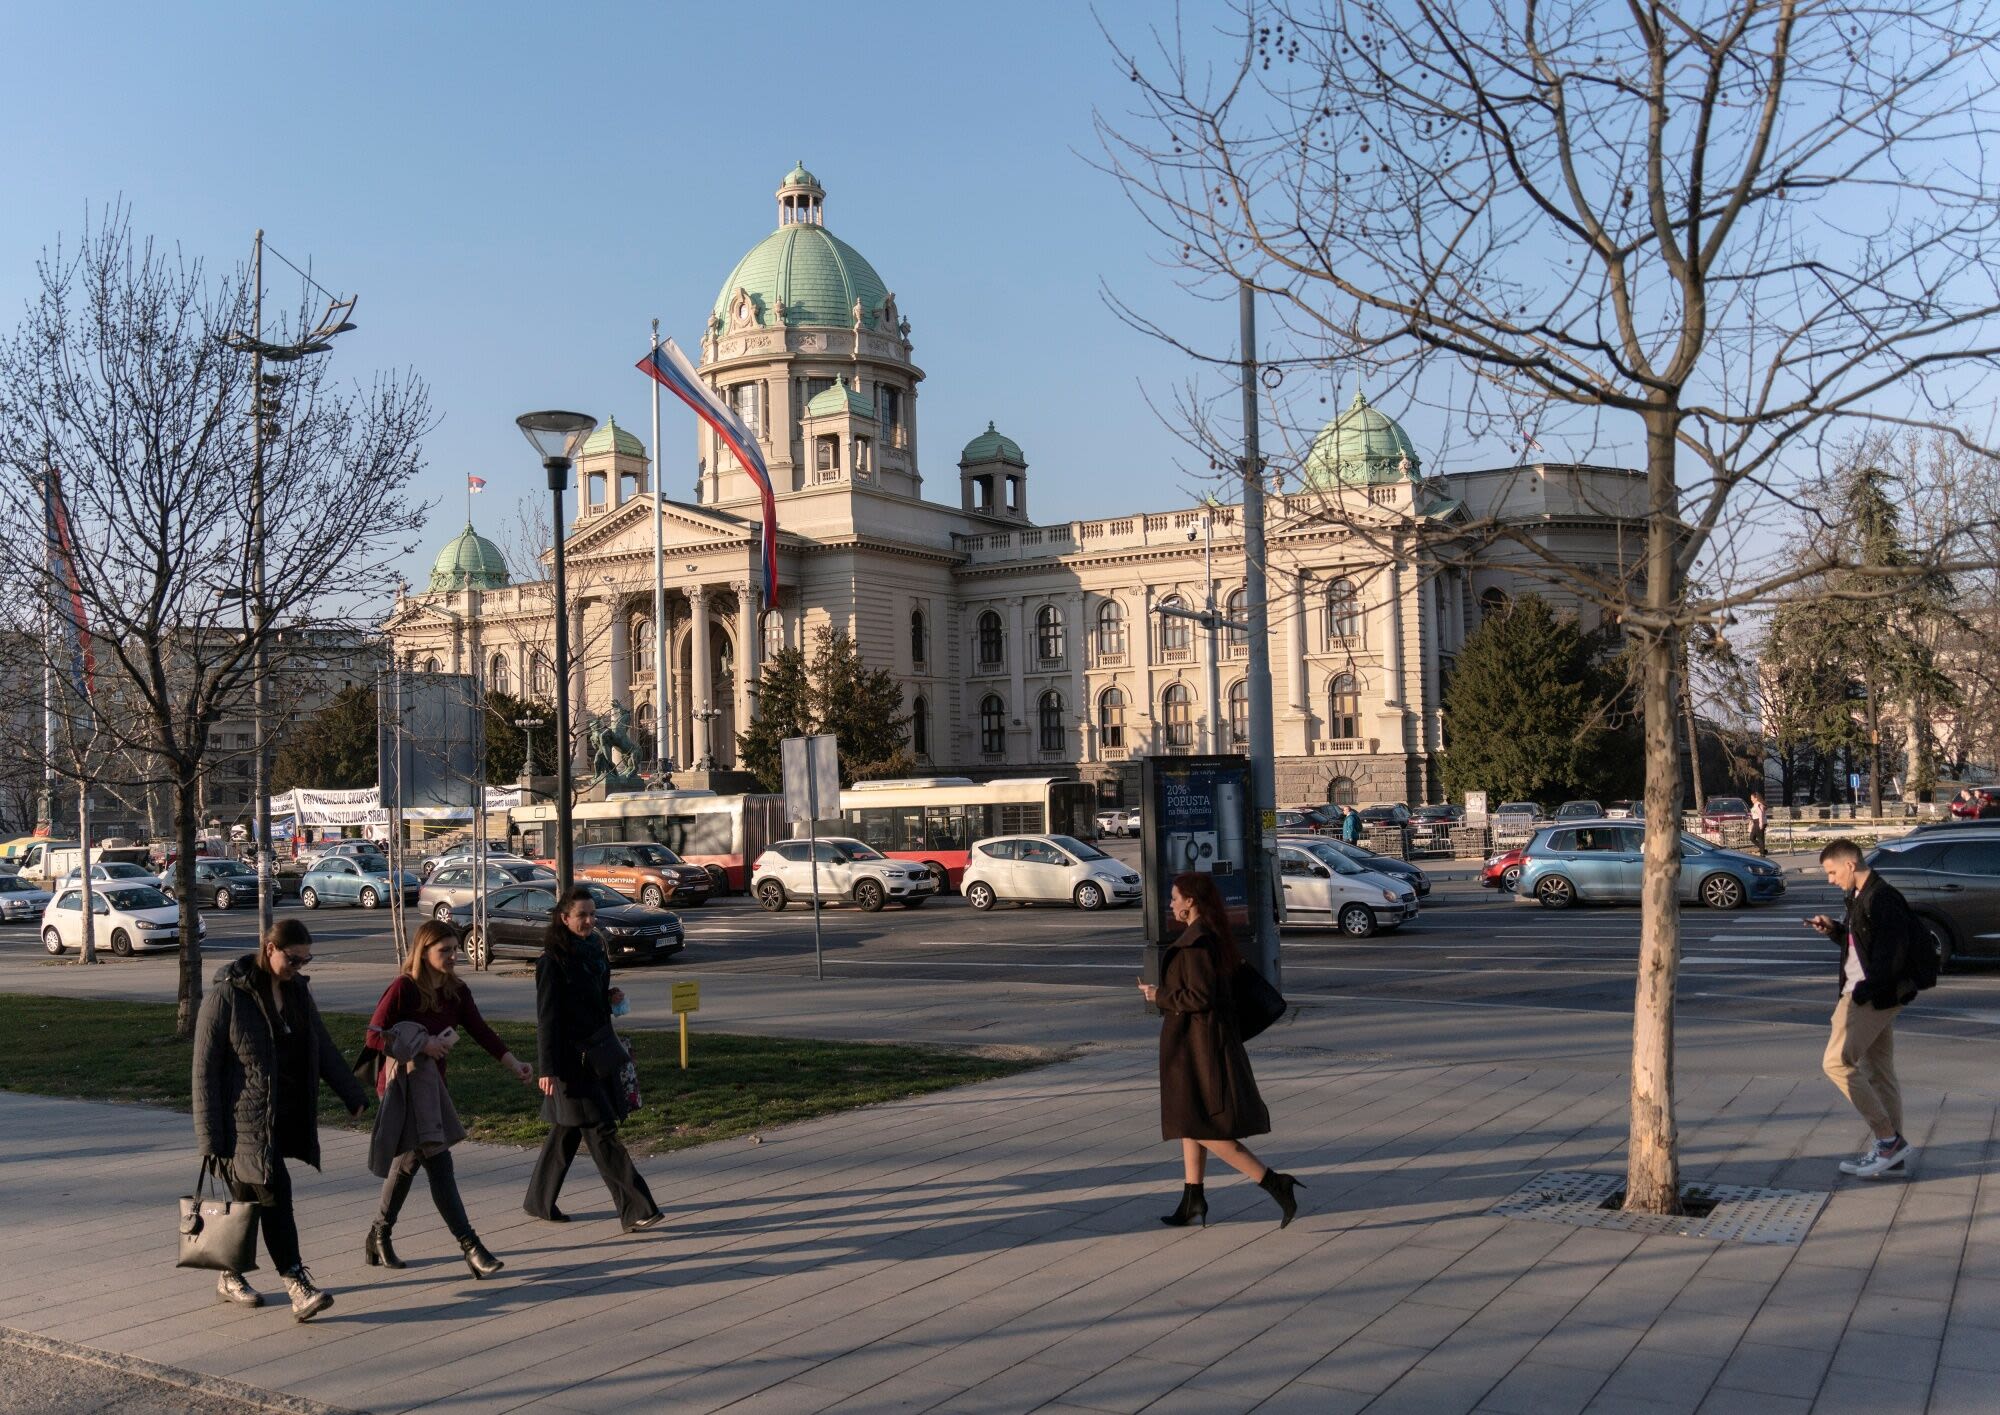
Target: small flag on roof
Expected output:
[477,484]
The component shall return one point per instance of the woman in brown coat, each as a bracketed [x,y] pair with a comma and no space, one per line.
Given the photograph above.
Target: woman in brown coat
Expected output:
[1208,1097]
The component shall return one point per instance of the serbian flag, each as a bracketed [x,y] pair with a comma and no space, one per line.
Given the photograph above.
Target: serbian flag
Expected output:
[72,624]
[477,484]
[669,367]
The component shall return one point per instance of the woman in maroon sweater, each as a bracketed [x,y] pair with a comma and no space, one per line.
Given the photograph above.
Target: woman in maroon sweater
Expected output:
[430,994]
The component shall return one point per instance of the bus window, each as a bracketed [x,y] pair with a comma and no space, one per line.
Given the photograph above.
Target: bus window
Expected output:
[1073,809]
[1018,818]
[710,833]
[909,828]
[878,825]
[945,828]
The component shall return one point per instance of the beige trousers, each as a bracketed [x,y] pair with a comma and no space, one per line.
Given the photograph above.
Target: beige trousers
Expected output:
[1861,1060]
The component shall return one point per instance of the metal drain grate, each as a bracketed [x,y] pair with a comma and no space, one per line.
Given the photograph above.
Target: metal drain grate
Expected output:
[1741,1214]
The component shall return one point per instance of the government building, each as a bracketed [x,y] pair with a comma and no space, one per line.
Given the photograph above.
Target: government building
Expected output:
[1025,646]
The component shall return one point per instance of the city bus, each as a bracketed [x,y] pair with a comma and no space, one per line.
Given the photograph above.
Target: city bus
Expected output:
[723,834]
[935,819]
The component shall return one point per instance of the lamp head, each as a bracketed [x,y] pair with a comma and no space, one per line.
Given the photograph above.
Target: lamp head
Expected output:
[555,436]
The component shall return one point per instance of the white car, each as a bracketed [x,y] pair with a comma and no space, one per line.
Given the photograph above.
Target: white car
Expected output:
[1045,869]
[1324,887]
[114,872]
[19,899]
[129,918]
[1111,822]
[849,869]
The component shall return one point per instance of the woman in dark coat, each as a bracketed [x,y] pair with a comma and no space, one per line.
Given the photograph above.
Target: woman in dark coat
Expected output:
[573,1002]
[1208,1096]
[260,1053]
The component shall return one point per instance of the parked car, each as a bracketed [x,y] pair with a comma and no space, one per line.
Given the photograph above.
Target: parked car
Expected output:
[1600,861]
[1389,865]
[354,879]
[1385,815]
[108,872]
[1433,825]
[1625,810]
[227,883]
[127,918]
[1952,880]
[1324,887]
[1120,820]
[455,882]
[645,871]
[1724,811]
[339,850]
[1579,811]
[849,869]
[1045,869]
[20,899]
[1298,821]
[517,919]
[495,850]
[1503,871]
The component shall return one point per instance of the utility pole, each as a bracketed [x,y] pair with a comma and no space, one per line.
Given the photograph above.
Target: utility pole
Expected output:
[1263,774]
[661,763]
[260,783]
[1208,627]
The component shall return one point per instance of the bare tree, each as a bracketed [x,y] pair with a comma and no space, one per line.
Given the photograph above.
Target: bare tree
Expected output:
[1720,232]
[117,376]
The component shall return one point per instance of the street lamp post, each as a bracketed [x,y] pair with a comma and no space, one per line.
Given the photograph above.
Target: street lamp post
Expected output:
[555,436]
[528,726]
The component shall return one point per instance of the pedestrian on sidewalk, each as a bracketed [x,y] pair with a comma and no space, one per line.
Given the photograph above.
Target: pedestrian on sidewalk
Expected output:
[1208,1096]
[260,1053]
[574,1042]
[1879,937]
[1350,826]
[1760,816]
[417,1021]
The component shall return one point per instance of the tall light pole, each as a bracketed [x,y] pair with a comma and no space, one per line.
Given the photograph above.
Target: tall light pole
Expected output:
[1263,774]
[265,403]
[528,726]
[660,762]
[555,436]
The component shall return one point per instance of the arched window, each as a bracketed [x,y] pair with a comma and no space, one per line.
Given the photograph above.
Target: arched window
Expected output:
[1239,716]
[862,465]
[1235,642]
[1341,791]
[1343,708]
[920,639]
[1049,634]
[1174,635]
[644,737]
[499,677]
[1049,722]
[542,677]
[1493,601]
[774,634]
[920,726]
[1110,629]
[642,645]
[1343,610]
[826,458]
[432,665]
[992,725]
[1111,719]
[992,641]
[1177,711]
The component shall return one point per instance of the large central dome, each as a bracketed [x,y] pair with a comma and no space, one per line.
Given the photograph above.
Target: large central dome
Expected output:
[801,274]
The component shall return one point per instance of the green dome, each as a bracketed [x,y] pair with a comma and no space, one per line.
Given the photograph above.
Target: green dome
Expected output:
[991,446]
[799,177]
[1361,447]
[470,562]
[815,275]
[832,402]
[612,438]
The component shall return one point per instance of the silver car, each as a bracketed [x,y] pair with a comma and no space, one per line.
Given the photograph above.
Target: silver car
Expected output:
[454,882]
[20,900]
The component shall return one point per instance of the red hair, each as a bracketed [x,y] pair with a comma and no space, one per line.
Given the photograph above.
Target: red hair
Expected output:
[1210,913]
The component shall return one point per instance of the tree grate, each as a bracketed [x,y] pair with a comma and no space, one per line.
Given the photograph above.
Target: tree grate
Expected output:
[1730,1213]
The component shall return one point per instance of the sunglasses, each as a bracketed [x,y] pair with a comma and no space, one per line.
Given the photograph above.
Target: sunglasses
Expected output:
[298,960]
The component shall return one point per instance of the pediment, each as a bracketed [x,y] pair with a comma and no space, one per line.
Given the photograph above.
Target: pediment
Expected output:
[630,527]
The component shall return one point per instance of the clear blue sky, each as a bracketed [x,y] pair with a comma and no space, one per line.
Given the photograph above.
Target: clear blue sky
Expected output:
[515,191]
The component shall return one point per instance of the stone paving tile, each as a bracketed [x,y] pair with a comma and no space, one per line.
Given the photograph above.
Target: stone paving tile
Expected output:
[1535,1388]
[1016,1391]
[1970,1347]
[1775,1370]
[1962,1392]
[1586,1345]
[1298,1398]
[1674,1380]
[1901,1316]
[1907,1359]
[1871,1395]
[1723,1401]
[1363,1365]
[1430,1392]
[1129,1386]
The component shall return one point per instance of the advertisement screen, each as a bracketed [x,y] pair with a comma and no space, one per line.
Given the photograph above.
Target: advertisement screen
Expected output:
[1197,818]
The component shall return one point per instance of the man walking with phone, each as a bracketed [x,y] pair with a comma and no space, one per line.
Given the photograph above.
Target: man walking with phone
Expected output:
[1879,974]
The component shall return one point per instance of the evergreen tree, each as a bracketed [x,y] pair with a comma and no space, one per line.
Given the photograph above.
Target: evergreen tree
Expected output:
[834,692]
[507,745]
[332,750]
[1534,713]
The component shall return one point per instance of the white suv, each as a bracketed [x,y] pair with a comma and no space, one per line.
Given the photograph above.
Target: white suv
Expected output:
[848,869]
[1046,869]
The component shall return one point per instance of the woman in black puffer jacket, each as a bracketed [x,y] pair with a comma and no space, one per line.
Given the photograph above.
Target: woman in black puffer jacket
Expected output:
[260,1053]
[573,1002]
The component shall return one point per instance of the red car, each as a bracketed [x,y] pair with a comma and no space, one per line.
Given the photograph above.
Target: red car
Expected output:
[1504,870]
[1725,811]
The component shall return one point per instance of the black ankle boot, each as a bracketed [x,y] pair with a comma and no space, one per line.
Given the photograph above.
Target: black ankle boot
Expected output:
[1280,1187]
[1194,1206]
[378,1252]
[482,1263]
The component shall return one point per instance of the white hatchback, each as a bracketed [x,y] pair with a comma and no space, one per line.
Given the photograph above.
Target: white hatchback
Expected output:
[847,869]
[1045,869]
[1324,887]
[128,918]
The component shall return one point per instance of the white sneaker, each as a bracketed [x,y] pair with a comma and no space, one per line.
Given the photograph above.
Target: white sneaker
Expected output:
[1853,1166]
[231,1287]
[1886,1157]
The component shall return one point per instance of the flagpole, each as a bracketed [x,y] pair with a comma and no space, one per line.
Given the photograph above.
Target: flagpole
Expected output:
[659,585]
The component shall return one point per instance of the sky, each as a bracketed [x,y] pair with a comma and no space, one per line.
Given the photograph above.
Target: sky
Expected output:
[516,191]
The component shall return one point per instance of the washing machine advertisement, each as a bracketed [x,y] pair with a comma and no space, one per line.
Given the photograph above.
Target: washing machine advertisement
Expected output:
[1197,819]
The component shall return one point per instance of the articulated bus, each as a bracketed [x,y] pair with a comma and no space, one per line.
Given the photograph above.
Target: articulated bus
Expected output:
[935,819]
[723,834]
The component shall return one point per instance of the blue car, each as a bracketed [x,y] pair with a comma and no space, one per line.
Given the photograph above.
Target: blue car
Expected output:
[1600,861]
[361,880]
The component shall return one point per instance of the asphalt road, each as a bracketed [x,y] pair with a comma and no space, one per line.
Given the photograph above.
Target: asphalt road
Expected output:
[1470,948]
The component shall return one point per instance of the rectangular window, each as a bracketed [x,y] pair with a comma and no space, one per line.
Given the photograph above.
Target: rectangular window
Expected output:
[748,401]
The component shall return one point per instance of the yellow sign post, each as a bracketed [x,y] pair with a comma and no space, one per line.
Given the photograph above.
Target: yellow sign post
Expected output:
[687,998]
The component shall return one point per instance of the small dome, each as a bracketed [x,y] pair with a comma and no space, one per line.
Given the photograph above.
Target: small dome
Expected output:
[799,177]
[469,562]
[1361,447]
[610,437]
[832,402]
[991,446]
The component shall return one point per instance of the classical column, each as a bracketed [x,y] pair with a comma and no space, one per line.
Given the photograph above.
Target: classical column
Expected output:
[701,689]
[747,650]
[1430,640]
[1073,645]
[1017,658]
[577,688]
[621,653]
[1295,645]
[1142,639]
[1392,645]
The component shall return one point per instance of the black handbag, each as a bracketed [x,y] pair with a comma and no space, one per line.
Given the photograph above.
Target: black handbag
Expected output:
[604,1054]
[1258,1004]
[217,1232]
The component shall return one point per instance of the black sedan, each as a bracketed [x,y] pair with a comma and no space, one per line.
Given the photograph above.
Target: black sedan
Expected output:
[517,919]
[1382,864]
